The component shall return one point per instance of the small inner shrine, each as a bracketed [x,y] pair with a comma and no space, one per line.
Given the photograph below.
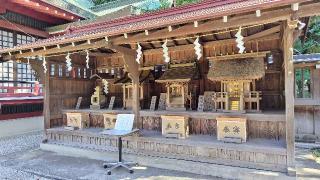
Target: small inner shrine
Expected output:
[181,85]
[237,79]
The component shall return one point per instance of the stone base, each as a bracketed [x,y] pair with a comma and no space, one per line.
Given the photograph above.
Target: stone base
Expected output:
[215,170]
[70,128]
[203,149]
[232,140]
[176,109]
[95,107]
[292,171]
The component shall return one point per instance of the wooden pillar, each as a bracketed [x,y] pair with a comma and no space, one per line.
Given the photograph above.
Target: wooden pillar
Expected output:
[132,67]
[136,101]
[46,100]
[288,30]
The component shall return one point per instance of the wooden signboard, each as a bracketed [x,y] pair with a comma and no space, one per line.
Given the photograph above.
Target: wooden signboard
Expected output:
[232,129]
[78,120]
[109,120]
[111,103]
[79,103]
[162,102]
[153,103]
[208,104]
[175,126]
[200,103]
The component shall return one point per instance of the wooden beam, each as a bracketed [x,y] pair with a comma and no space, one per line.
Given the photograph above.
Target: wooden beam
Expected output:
[289,93]
[68,48]
[186,30]
[239,56]
[211,44]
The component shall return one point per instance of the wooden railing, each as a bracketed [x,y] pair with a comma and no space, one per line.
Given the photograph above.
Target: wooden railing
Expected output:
[20,91]
[222,100]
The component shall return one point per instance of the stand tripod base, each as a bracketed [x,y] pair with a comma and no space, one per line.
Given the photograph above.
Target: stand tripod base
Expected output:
[113,165]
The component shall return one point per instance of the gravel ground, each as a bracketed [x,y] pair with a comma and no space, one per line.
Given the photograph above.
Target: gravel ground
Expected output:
[18,144]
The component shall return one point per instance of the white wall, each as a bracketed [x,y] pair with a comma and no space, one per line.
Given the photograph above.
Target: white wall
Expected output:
[22,125]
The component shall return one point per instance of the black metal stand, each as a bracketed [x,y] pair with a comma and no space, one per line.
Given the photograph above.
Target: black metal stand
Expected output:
[120,163]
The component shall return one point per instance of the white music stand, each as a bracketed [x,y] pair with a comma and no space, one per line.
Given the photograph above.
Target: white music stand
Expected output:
[123,127]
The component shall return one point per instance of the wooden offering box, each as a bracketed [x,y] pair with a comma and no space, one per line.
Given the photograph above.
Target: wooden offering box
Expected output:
[109,120]
[174,126]
[78,120]
[232,129]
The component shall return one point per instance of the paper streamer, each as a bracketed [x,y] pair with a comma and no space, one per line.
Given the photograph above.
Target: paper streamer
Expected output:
[239,40]
[139,53]
[165,52]
[87,59]
[68,61]
[197,48]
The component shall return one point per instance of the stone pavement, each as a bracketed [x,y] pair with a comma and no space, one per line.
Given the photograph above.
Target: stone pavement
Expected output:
[307,167]
[53,166]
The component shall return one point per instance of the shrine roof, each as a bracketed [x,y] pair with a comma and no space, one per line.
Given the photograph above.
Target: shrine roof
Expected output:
[238,69]
[179,74]
[173,16]
[145,75]
[102,76]
[306,58]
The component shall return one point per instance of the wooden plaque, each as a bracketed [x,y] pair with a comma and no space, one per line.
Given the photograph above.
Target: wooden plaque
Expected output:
[208,104]
[162,102]
[111,103]
[78,120]
[78,102]
[200,103]
[232,128]
[153,103]
[175,126]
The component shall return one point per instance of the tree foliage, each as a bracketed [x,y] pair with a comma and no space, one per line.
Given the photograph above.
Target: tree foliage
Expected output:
[98,2]
[312,42]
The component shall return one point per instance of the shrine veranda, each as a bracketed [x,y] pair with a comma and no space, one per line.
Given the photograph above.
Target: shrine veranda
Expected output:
[189,51]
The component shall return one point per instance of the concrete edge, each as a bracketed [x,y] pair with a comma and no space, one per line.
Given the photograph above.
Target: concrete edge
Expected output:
[306,145]
[228,172]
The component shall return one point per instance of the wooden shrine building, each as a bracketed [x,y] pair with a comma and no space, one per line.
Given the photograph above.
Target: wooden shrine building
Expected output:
[219,71]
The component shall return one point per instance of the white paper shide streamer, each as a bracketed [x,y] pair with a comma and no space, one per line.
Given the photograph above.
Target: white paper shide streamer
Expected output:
[239,40]
[105,86]
[166,52]
[197,48]
[87,59]
[139,53]
[68,61]
[44,64]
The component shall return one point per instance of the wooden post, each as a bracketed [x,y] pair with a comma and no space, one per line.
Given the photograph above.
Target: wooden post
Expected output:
[136,100]
[132,67]
[46,101]
[288,30]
